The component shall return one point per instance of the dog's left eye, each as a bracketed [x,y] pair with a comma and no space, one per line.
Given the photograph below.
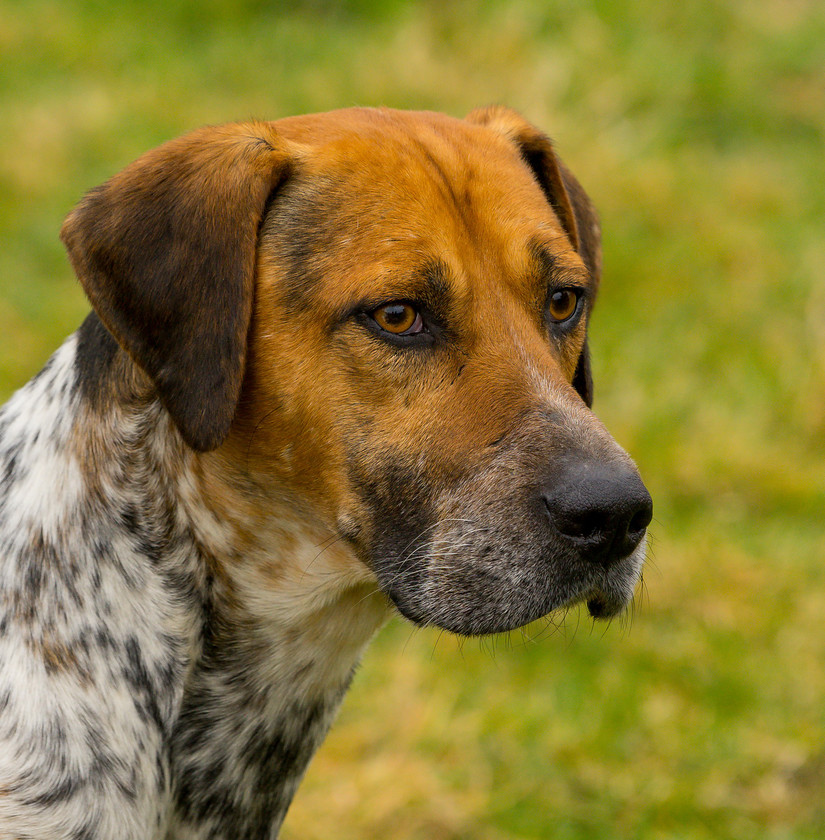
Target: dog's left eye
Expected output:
[398,319]
[563,304]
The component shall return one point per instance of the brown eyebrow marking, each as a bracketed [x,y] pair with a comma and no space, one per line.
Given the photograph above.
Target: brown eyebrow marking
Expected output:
[436,288]
[542,260]
[429,285]
[301,228]
[547,267]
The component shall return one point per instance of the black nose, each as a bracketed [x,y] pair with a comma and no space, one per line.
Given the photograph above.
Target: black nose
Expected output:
[602,509]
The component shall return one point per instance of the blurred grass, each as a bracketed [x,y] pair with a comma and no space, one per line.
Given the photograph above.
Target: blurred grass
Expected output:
[699,130]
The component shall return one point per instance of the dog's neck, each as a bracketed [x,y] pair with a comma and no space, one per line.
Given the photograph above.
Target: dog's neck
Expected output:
[254,627]
[284,630]
[292,621]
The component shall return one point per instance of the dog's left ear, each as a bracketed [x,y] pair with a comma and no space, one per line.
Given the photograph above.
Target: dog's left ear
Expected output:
[567,198]
[165,251]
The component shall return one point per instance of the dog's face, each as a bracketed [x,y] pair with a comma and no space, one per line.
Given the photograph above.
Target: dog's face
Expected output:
[414,369]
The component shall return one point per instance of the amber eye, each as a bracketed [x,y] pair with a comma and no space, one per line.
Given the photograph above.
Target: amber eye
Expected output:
[398,319]
[563,304]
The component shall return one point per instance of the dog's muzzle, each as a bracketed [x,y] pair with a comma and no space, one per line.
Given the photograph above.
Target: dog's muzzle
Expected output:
[602,511]
[556,517]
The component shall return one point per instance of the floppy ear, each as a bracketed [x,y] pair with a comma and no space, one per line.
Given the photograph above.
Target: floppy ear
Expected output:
[583,377]
[567,198]
[165,251]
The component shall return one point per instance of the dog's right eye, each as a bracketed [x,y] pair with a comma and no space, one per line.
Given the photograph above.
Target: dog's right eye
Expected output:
[398,319]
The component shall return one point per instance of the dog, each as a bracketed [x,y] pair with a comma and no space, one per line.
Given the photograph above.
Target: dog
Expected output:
[337,366]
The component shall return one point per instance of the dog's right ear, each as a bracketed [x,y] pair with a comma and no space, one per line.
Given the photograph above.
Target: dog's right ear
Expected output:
[165,251]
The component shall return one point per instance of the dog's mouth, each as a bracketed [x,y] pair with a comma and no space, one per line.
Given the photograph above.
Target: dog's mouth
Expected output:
[472,598]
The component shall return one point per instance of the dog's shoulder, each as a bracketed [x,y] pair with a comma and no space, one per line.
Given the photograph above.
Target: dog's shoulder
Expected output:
[94,635]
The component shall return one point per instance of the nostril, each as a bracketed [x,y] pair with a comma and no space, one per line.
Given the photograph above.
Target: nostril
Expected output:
[641,518]
[577,524]
[637,525]
[591,523]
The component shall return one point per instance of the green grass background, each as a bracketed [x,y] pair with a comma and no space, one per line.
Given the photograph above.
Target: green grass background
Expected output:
[698,127]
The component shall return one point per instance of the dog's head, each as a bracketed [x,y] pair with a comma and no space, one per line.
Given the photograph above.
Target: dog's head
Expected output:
[383,315]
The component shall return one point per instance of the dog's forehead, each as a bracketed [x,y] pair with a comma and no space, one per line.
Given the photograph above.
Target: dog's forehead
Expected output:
[391,194]
[324,129]
[422,163]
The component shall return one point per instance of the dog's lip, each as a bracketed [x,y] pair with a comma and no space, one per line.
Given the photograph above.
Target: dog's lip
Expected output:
[602,606]
[613,593]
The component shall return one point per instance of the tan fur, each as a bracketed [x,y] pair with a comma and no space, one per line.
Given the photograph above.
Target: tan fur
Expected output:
[237,267]
[294,426]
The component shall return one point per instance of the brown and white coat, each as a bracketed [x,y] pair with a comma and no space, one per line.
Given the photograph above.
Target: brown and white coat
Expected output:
[220,486]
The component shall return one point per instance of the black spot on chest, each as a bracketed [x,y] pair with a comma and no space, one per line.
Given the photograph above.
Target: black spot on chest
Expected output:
[10,467]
